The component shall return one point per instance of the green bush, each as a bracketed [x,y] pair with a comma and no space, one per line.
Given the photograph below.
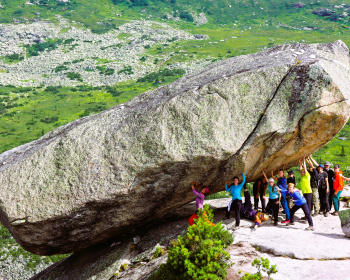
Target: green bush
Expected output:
[127,70]
[262,265]
[14,57]
[158,252]
[199,254]
[155,77]
[113,91]
[60,68]
[49,119]
[52,89]
[51,44]
[74,76]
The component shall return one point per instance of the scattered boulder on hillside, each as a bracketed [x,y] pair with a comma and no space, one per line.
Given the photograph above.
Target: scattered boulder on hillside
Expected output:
[324,12]
[344,217]
[201,36]
[298,5]
[107,174]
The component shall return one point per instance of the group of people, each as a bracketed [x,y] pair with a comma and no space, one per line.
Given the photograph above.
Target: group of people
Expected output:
[317,191]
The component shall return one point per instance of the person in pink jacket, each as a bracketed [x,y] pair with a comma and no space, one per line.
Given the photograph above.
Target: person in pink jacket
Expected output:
[199,200]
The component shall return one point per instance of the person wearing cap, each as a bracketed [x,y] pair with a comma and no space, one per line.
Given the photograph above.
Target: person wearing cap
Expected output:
[282,184]
[331,175]
[323,189]
[199,200]
[274,199]
[259,189]
[299,202]
[305,184]
[235,190]
[338,186]
[315,203]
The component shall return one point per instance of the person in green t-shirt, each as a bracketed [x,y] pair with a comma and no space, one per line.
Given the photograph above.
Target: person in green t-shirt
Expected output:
[305,183]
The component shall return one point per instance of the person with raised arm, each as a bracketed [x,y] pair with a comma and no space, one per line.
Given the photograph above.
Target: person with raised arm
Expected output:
[338,186]
[315,202]
[259,190]
[200,196]
[282,184]
[305,184]
[236,203]
[331,175]
[323,188]
[274,198]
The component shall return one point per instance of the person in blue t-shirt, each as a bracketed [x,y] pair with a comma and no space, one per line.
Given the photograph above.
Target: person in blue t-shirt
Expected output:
[274,199]
[282,184]
[299,202]
[235,191]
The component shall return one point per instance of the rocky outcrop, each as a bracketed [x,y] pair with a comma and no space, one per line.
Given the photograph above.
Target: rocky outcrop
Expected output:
[107,174]
[345,221]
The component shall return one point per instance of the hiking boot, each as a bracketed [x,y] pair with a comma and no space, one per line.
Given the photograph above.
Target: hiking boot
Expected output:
[310,228]
[335,213]
[275,224]
[290,224]
[285,221]
[315,214]
[327,214]
[303,218]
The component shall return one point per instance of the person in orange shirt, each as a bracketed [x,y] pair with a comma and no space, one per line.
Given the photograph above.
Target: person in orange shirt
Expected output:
[338,185]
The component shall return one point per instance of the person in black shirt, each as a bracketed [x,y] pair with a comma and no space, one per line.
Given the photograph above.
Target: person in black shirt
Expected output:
[331,175]
[259,189]
[315,203]
[323,188]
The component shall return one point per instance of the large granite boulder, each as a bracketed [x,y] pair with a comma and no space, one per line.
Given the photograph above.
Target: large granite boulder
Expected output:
[344,217]
[107,174]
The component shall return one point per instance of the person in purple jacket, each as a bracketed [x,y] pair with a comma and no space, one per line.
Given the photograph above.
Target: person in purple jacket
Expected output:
[299,202]
[199,200]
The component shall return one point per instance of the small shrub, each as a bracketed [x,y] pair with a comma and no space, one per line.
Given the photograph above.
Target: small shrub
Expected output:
[199,254]
[74,76]
[127,70]
[14,57]
[158,252]
[52,89]
[186,15]
[60,68]
[113,91]
[155,77]
[123,267]
[49,119]
[78,60]
[262,265]
[109,71]
[68,41]
[36,49]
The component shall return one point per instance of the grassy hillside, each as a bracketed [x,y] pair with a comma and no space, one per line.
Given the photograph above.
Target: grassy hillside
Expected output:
[234,28]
